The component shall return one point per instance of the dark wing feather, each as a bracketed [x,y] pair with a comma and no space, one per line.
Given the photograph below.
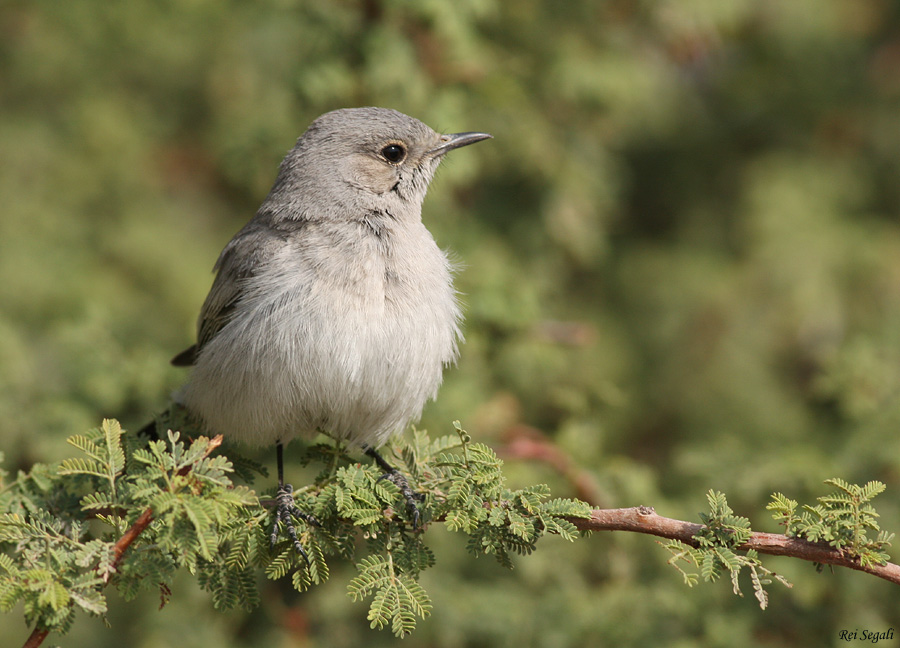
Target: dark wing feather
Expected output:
[186,358]
[243,257]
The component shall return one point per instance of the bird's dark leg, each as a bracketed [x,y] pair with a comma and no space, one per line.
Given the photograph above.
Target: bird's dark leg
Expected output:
[395,476]
[285,508]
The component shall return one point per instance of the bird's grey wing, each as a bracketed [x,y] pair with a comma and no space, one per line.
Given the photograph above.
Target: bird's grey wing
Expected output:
[243,257]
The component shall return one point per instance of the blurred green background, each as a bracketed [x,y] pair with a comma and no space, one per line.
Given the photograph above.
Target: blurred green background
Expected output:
[680,258]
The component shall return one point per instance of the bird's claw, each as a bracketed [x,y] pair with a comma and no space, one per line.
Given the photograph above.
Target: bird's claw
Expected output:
[399,480]
[285,510]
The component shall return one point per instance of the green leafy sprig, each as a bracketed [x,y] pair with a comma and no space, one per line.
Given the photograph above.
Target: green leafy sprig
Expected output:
[716,551]
[166,505]
[843,519]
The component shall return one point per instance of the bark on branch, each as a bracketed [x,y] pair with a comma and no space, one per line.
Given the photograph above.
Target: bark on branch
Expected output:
[643,519]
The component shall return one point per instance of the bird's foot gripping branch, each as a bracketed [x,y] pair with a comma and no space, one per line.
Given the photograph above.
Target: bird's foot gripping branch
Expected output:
[172,504]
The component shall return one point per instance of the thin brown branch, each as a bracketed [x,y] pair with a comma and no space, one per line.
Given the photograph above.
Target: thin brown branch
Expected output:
[211,445]
[36,638]
[131,535]
[643,519]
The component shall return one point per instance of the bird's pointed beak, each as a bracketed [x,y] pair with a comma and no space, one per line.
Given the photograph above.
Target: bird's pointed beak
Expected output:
[455,140]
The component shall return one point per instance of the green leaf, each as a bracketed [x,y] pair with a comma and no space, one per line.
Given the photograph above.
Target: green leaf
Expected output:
[54,595]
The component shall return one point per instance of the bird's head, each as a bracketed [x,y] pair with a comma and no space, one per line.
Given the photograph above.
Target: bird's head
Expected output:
[366,157]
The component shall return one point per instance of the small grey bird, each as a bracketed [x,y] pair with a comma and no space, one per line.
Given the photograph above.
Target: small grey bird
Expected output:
[333,309]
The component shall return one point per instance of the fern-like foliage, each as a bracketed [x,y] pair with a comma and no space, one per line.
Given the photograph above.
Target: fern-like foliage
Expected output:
[172,504]
[398,599]
[717,551]
[844,519]
[45,515]
[497,520]
[58,564]
[461,485]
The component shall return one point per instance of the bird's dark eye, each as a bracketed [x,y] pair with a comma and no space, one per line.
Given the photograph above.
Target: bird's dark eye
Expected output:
[393,153]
